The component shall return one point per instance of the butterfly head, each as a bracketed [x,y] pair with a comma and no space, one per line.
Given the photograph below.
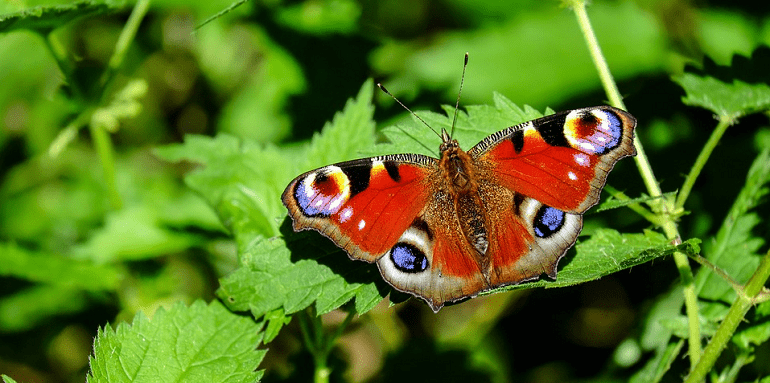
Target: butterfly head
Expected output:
[447,142]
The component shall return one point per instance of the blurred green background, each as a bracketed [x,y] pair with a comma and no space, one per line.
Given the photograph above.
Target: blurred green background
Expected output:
[273,72]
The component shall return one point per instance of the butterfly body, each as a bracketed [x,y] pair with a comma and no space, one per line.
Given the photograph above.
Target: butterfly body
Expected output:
[445,229]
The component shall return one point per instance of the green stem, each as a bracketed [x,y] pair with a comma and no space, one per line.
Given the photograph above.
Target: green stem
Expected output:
[124,40]
[106,154]
[700,162]
[728,326]
[318,343]
[664,206]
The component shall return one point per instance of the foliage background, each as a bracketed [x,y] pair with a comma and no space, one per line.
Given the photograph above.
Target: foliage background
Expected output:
[79,251]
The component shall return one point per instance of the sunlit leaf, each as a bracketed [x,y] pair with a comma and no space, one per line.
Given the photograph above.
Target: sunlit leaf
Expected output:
[730,92]
[200,343]
[49,17]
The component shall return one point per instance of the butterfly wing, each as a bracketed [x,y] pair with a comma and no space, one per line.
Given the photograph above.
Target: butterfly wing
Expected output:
[543,174]
[389,210]
[364,205]
[562,160]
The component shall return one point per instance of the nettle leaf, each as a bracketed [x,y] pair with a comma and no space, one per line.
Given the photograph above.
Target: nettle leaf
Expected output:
[200,343]
[133,233]
[735,249]
[758,330]
[608,251]
[730,92]
[49,17]
[297,271]
[7,379]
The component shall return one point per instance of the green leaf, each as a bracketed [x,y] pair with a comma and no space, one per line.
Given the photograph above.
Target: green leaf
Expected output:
[133,233]
[28,308]
[606,252]
[295,272]
[613,203]
[46,18]
[200,343]
[275,319]
[260,95]
[735,249]
[57,270]
[7,379]
[730,92]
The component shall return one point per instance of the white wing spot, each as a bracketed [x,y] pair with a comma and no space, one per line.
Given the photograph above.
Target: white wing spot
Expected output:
[361,224]
[346,213]
[590,148]
[581,159]
[336,202]
[572,176]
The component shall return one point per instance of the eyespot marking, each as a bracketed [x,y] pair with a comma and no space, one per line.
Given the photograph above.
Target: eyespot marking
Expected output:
[548,221]
[595,131]
[323,192]
[408,258]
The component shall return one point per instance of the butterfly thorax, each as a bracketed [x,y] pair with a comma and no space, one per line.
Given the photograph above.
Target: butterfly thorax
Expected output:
[457,166]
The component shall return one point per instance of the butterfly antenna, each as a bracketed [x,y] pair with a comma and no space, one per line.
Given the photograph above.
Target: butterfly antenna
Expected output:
[457,104]
[382,88]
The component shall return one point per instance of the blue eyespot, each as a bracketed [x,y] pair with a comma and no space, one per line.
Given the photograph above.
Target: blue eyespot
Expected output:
[548,221]
[408,258]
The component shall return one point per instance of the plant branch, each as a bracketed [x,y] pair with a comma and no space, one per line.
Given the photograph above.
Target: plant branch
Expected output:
[662,206]
[728,326]
[700,162]
[124,40]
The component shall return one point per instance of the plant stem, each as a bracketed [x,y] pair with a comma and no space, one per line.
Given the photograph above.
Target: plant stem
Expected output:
[124,40]
[728,326]
[106,153]
[664,206]
[318,343]
[700,162]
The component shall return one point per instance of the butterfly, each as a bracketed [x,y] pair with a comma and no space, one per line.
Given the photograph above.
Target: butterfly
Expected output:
[445,229]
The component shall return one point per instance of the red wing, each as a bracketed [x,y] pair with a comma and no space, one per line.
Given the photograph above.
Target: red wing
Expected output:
[433,260]
[527,240]
[364,205]
[561,160]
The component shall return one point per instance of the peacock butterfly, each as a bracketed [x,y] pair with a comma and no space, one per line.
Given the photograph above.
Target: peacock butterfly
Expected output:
[444,229]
